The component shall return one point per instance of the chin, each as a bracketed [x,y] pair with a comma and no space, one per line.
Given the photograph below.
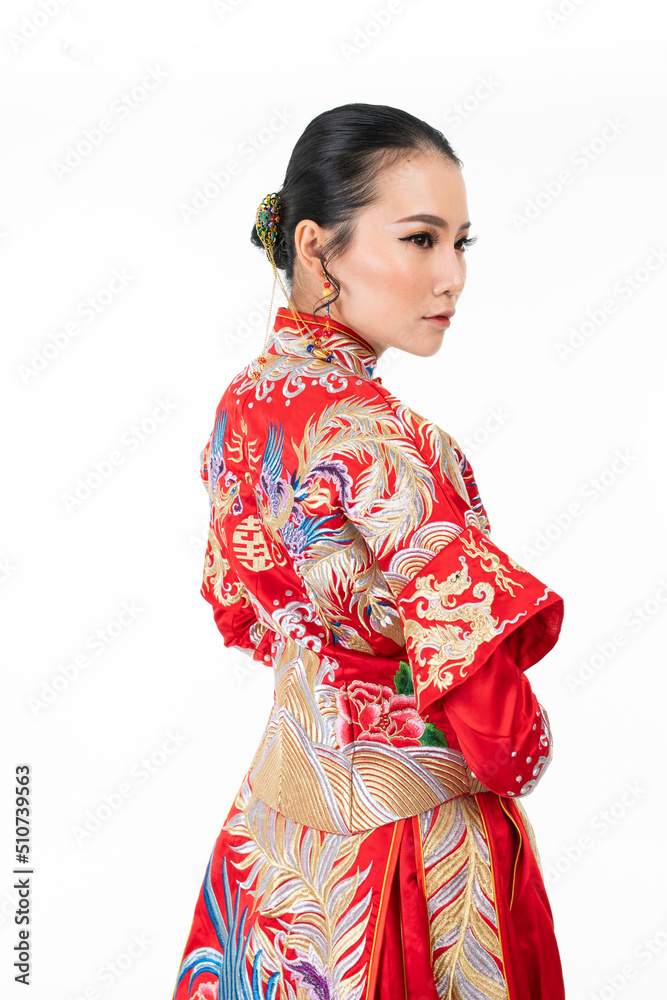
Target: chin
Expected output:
[421,346]
[428,350]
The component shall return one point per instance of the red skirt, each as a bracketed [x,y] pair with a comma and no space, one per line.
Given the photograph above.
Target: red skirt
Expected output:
[450,902]
[530,964]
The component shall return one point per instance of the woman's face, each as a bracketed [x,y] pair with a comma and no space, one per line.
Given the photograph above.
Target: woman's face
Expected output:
[396,272]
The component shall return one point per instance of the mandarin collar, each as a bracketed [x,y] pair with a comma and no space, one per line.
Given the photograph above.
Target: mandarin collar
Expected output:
[344,346]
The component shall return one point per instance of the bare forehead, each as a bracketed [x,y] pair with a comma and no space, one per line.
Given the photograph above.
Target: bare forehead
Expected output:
[429,189]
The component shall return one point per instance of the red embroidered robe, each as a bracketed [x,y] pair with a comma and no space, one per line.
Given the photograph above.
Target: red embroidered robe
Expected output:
[377,846]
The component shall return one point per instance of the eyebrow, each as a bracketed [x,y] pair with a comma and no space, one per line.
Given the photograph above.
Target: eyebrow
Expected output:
[433,220]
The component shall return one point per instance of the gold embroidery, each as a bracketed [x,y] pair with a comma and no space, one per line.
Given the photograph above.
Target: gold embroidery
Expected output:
[249,546]
[234,445]
[452,644]
[216,570]
[491,564]
[461,901]
[301,771]
[516,564]
[223,500]
[311,878]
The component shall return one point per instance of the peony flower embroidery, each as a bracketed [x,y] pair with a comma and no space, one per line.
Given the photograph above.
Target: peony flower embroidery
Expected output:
[375,712]
[206,991]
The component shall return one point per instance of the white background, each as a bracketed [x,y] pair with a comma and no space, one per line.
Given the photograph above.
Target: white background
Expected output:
[522,93]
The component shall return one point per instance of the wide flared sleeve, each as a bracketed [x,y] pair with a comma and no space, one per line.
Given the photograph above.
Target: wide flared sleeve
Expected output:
[464,603]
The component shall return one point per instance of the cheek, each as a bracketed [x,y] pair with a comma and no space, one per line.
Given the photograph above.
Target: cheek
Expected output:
[388,275]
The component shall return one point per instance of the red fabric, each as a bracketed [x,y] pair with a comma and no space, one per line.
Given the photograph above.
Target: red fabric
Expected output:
[532,960]
[532,964]
[502,730]
[404,969]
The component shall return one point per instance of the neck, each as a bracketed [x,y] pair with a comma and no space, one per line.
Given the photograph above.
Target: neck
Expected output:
[300,305]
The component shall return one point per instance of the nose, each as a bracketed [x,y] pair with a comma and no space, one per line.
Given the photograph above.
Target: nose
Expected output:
[451,273]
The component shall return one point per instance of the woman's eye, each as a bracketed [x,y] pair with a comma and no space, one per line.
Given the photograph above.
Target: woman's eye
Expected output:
[432,237]
[466,241]
[418,239]
[424,236]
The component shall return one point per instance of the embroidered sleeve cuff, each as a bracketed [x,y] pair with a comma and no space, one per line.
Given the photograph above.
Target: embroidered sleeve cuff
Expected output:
[467,600]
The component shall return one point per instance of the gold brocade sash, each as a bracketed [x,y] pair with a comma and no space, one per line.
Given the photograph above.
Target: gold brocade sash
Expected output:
[300,771]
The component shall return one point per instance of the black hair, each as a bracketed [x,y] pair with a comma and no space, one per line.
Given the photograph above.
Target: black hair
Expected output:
[333,173]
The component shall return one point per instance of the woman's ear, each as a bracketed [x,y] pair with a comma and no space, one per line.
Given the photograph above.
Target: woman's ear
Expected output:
[308,241]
